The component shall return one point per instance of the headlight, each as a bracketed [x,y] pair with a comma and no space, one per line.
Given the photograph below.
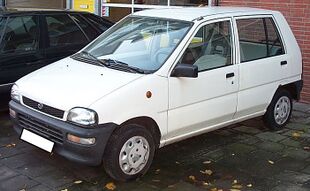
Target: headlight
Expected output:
[15,94]
[82,116]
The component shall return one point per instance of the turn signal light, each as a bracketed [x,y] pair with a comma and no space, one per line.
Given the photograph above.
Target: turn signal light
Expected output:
[80,140]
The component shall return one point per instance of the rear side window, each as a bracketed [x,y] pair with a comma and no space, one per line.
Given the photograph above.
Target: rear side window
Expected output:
[86,27]
[21,35]
[258,38]
[63,31]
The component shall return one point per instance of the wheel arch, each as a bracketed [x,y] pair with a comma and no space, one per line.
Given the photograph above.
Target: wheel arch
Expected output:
[148,123]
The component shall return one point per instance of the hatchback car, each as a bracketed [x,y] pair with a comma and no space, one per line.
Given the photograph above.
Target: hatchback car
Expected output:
[31,39]
[158,77]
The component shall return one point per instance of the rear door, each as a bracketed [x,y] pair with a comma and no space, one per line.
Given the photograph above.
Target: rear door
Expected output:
[263,63]
[20,51]
[63,37]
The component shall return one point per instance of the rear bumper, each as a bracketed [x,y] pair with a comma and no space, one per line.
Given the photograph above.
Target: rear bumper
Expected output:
[56,131]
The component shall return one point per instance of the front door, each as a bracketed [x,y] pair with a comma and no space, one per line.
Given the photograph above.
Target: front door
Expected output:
[19,51]
[196,104]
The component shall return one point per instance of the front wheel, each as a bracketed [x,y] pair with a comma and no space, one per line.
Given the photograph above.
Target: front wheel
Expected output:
[279,110]
[129,153]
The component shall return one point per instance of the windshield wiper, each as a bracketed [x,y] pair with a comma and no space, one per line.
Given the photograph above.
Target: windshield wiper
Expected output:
[98,61]
[124,65]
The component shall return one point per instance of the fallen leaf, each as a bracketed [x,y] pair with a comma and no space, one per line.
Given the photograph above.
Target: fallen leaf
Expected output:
[235,182]
[65,189]
[207,162]
[78,182]
[213,189]
[156,180]
[10,145]
[305,148]
[249,185]
[208,172]
[171,186]
[296,134]
[110,186]
[157,170]
[176,162]
[270,161]
[22,189]
[233,154]
[205,183]
[233,189]
[237,186]
[191,177]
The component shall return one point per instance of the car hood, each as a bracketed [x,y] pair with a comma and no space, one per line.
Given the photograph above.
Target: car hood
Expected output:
[69,83]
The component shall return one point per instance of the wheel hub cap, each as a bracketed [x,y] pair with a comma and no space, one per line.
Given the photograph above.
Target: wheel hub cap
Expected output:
[134,155]
[282,110]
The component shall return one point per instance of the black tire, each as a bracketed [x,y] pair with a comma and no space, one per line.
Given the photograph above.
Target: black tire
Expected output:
[115,144]
[269,117]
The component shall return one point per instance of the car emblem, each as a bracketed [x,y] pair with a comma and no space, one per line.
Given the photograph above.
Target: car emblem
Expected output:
[40,106]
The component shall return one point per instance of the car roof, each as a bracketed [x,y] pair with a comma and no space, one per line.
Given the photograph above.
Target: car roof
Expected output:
[21,11]
[192,13]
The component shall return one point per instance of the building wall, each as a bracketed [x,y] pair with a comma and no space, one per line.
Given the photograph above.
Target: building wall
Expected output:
[297,13]
[45,4]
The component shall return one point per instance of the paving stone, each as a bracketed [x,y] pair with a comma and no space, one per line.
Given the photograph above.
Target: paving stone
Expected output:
[184,186]
[298,126]
[288,163]
[290,142]
[251,140]
[239,148]
[6,173]
[19,160]
[296,153]
[216,154]
[55,179]
[249,130]
[306,170]
[271,146]
[36,169]
[289,187]
[17,183]
[270,136]
[293,177]
[39,187]
[301,107]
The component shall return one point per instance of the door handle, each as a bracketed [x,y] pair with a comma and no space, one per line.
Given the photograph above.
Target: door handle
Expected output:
[230,75]
[283,63]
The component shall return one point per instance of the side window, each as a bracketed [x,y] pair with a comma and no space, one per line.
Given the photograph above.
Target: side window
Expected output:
[211,47]
[86,27]
[258,38]
[98,22]
[21,35]
[275,45]
[2,25]
[62,31]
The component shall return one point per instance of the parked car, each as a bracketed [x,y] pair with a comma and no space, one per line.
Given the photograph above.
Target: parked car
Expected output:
[152,80]
[31,39]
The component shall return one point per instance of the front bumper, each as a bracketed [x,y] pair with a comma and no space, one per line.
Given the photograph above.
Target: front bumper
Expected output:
[56,131]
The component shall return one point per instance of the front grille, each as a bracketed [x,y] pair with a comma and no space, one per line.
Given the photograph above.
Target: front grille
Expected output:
[45,108]
[41,129]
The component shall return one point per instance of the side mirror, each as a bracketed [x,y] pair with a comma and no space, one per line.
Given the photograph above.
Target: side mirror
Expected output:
[185,70]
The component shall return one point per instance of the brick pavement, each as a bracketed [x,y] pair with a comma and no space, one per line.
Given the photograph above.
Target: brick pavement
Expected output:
[245,156]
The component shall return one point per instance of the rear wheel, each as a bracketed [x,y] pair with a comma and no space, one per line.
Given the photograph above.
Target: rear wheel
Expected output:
[279,110]
[129,153]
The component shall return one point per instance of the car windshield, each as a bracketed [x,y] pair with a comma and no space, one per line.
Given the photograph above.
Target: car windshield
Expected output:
[140,42]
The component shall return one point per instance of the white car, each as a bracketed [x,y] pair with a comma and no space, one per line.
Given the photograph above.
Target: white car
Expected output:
[158,77]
